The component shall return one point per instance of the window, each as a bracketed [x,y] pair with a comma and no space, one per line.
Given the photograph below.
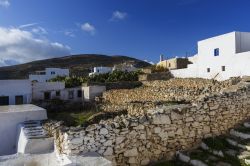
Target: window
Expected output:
[47,96]
[71,94]
[223,68]
[4,100]
[169,65]
[79,93]
[53,73]
[216,52]
[19,100]
[208,70]
[58,93]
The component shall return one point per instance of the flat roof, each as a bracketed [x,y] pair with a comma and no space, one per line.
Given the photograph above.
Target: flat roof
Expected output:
[20,108]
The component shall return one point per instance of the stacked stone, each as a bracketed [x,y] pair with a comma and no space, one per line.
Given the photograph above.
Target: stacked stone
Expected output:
[161,131]
[179,90]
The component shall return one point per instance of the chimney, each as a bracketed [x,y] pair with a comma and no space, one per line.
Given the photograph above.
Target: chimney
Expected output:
[161,57]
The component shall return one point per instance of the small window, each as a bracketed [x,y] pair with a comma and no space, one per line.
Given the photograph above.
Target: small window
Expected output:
[53,73]
[216,52]
[169,65]
[58,93]
[19,100]
[79,93]
[71,94]
[47,96]
[223,68]
[208,70]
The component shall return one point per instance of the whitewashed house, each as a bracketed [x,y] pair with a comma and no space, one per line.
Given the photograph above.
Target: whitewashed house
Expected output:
[47,74]
[101,70]
[10,117]
[15,92]
[220,58]
[56,90]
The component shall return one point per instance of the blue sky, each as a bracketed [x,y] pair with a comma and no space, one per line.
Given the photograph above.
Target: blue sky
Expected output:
[144,29]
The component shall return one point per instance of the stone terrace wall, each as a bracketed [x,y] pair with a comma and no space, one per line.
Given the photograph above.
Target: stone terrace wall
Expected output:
[153,92]
[171,90]
[129,140]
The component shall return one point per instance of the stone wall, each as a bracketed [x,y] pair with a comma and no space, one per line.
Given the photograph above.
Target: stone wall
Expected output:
[171,90]
[155,76]
[160,131]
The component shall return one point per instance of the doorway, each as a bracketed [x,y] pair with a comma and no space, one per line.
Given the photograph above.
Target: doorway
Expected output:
[4,100]
[19,100]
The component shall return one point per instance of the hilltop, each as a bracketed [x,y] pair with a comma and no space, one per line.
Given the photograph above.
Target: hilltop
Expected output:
[78,65]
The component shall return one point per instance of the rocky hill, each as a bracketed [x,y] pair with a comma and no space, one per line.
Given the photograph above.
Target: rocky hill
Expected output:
[78,65]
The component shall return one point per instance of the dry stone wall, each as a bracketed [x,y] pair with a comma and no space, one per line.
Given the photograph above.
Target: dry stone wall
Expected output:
[159,132]
[154,92]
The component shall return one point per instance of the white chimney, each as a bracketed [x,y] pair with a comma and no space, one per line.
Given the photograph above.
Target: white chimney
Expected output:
[161,57]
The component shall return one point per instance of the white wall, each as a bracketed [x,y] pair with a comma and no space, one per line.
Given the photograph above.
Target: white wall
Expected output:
[90,92]
[10,117]
[235,64]
[39,88]
[50,73]
[65,94]
[14,88]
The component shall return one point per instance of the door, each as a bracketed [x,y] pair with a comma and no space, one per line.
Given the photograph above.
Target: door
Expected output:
[19,100]
[47,96]
[4,100]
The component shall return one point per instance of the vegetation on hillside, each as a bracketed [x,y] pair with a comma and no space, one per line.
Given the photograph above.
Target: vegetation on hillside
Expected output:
[79,65]
[115,76]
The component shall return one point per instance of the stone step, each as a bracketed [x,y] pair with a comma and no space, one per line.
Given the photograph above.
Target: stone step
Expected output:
[240,134]
[247,124]
[238,142]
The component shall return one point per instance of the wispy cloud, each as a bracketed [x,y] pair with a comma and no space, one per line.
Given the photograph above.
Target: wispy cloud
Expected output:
[28,25]
[39,30]
[87,27]
[69,33]
[118,15]
[5,3]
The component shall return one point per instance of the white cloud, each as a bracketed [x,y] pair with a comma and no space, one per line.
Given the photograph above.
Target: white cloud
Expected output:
[39,30]
[28,25]
[4,3]
[118,15]
[69,33]
[87,27]
[19,46]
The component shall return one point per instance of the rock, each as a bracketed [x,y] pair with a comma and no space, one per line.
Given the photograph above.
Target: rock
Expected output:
[77,141]
[157,130]
[108,152]
[161,119]
[108,143]
[197,163]
[132,160]
[119,140]
[145,161]
[104,131]
[189,119]
[91,128]
[131,153]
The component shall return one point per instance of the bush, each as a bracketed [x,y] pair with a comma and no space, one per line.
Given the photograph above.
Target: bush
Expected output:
[158,69]
[115,76]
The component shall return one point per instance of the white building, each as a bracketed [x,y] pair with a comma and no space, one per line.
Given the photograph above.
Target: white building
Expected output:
[101,70]
[56,90]
[10,117]
[47,74]
[220,57]
[14,92]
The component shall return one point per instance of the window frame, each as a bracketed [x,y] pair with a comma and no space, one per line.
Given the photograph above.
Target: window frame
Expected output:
[223,68]
[216,52]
